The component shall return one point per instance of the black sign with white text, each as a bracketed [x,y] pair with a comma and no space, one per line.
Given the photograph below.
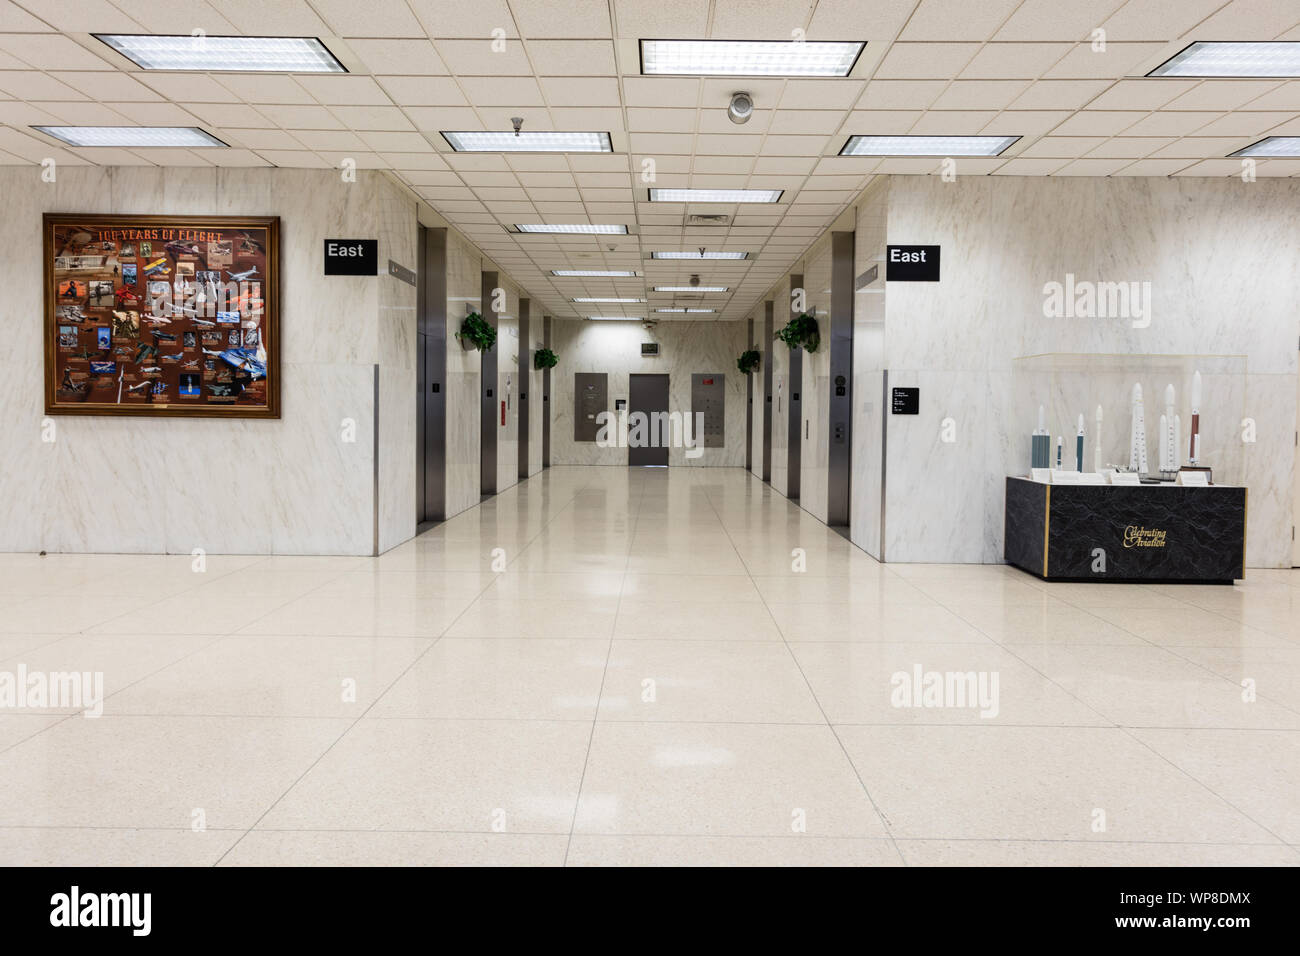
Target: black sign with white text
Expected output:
[906,401]
[912,264]
[351,257]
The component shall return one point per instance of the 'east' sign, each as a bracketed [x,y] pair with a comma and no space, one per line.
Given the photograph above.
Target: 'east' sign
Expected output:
[351,257]
[912,264]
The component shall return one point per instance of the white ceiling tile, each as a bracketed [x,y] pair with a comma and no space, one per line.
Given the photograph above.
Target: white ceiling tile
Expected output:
[266,88]
[1014,60]
[662,18]
[900,94]
[599,119]
[642,120]
[319,139]
[1058,94]
[660,91]
[758,19]
[1152,167]
[1285,97]
[805,122]
[1171,124]
[415,160]
[919,61]
[438,119]
[579,91]
[797,145]
[388,118]
[1244,124]
[375,18]
[1091,167]
[1056,20]
[423,90]
[1225,95]
[1029,167]
[1061,147]
[261,138]
[1199,147]
[98,16]
[880,122]
[1247,20]
[1098,123]
[1116,61]
[194,14]
[1144,94]
[1130,147]
[108,86]
[229,157]
[334,90]
[471,20]
[30,85]
[820,94]
[979,94]
[957,19]
[293,159]
[479,57]
[572,57]
[877,21]
[182,87]
[579,19]
[1212,167]
[413,57]
[228,114]
[257,17]
[301,117]
[952,122]
[50,50]
[18,113]
[1157,19]
[1025,122]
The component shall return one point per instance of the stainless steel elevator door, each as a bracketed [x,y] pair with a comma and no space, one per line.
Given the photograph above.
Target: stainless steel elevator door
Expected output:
[648,395]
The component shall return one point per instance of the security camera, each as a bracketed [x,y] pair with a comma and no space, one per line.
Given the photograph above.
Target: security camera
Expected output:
[741,108]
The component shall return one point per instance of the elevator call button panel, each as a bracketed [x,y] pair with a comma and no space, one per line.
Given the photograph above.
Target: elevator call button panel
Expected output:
[709,397]
[590,398]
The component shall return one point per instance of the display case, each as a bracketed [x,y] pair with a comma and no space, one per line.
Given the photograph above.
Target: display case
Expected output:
[1166,508]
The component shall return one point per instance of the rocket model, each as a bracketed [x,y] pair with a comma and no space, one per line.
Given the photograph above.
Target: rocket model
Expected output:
[1078,446]
[1096,445]
[1137,449]
[1171,426]
[1042,451]
[1194,445]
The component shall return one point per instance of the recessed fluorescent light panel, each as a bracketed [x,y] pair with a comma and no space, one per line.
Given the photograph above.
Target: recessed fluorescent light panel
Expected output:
[584,228]
[142,136]
[597,299]
[686,310]
[225,54]
[749,57]
[1207,58]
[1272,147]
[536,142]
[715,195]
[690,288]
[699,255]
[616,318]
[593,273]
[926,145]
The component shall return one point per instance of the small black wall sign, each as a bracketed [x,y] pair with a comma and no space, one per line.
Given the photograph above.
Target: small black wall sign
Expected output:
[906,401]
[912,264]
[351,257]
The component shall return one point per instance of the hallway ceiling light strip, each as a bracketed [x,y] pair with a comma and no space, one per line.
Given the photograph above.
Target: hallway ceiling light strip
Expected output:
[546,141]
[132,136]
[686,310]
[224,54]
[749,57]
[716,195]
[1209,58]
[599,299]
[1272,147]
[585,228]
[690,288]
[594,273]
[616,318]
[926,145]
[699,255]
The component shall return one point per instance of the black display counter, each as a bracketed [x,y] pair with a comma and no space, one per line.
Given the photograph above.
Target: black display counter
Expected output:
[1145,533]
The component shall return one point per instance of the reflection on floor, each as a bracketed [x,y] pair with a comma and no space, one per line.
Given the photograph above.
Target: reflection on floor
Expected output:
[613,666]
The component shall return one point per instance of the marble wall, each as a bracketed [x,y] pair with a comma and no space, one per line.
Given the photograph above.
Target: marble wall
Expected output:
[780,357]
[1223,261]
[291,486]
[871,223]
[758,342]
[536,407]
[685,348]
[814,452]
[507,387]
[464,368]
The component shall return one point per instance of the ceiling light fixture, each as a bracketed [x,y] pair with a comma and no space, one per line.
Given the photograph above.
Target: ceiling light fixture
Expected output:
[716,195]
[690,288]
[926,145]
[686,310]
[527,142]
[599,299]
[616,318]
[582,228]
[749,57]
[132,136]
[1248,58]
[224,54]
[699,255]
[594,273]
[1272,147]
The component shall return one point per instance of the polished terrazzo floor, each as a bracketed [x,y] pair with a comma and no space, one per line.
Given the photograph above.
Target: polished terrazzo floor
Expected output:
[639,676]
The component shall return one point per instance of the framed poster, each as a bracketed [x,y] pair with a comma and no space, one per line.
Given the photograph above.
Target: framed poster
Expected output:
[162,315]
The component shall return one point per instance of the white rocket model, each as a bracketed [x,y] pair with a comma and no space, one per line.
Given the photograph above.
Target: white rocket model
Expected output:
[1096,444]
[1137,449]
[1171,427]
[1194,447]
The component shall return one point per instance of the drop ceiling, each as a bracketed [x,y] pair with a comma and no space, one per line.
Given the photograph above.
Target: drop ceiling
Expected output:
[1025,68]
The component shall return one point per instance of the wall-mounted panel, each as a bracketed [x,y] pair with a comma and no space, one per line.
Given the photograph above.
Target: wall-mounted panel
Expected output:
[709,398]
[590,398]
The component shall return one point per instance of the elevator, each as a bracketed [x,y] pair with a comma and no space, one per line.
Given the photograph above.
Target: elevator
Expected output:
[487,382]
[431,378]
[648,395]
[794,422]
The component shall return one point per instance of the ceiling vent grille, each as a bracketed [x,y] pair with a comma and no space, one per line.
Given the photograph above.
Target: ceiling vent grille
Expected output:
[703,220]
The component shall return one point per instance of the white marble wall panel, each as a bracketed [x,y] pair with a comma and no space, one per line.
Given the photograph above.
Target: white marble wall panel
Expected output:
[155,485]
[868,363]
[464,368]
[536,407]
[815,396]
[760,397]
[780,356]
[685,348]
[507,388]
[1222,259]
